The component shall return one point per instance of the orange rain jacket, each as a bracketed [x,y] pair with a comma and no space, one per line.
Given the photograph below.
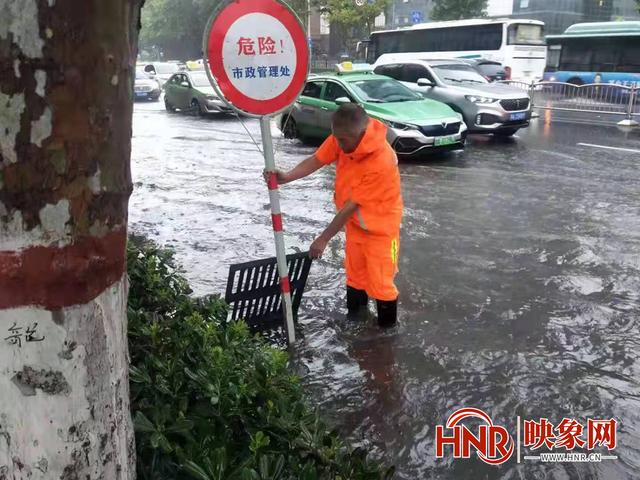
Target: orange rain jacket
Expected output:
[370,178]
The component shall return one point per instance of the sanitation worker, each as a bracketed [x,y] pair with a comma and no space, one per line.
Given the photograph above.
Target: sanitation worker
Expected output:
[369,204]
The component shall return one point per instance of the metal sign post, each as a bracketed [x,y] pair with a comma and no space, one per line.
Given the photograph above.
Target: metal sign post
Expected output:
[276,218]
[257,59]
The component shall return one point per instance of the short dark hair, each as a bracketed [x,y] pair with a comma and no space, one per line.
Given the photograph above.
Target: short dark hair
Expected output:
[350,116]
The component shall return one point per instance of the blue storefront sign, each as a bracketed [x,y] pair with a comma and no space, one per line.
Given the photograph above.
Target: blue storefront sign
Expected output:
[417,17]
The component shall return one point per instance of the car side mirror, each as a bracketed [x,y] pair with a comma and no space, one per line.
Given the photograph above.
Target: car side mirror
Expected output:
[424,82]
[342,100]
[185,84]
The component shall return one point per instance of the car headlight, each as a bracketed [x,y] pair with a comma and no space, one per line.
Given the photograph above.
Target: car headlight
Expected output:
[480,99]
[399,125]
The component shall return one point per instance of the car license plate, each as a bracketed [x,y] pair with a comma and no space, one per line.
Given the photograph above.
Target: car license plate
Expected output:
[518,116]
[141,94]
[442,141]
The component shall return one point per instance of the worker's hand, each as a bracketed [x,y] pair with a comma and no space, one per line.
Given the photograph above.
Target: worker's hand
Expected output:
[280,175]
[318,247]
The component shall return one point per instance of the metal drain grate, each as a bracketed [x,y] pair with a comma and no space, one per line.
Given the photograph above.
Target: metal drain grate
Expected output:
[253,290]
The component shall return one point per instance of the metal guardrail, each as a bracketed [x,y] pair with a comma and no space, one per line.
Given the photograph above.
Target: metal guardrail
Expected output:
[604,98]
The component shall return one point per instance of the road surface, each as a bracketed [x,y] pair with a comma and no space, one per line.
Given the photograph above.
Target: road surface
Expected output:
[520,281]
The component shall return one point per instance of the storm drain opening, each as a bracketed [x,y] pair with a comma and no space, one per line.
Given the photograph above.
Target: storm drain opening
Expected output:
[253,290]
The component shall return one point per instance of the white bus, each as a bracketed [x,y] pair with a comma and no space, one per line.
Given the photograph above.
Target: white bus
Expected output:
[518,44]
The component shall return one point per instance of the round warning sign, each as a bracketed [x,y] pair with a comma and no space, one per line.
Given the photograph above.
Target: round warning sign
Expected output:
[257,55]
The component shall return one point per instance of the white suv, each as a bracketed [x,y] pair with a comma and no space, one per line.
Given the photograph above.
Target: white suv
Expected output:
[486,107]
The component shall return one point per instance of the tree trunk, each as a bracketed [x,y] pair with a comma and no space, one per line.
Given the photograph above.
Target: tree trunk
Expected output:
[66,69]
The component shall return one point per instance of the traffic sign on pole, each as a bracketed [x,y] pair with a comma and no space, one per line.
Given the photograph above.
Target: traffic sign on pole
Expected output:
[257,55]
[257,59]
[417,17]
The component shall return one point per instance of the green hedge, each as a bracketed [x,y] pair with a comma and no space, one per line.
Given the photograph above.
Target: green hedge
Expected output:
[210,401]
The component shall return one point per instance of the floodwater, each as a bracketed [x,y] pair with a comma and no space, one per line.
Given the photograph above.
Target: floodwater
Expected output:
[519,280]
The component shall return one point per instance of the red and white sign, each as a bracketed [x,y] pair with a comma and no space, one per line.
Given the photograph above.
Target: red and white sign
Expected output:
[256,52]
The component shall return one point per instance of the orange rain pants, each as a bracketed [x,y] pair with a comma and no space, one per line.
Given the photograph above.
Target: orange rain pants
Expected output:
[372,263]
[369,177]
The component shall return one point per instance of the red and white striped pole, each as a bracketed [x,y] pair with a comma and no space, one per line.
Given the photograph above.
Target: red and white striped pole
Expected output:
[278,231]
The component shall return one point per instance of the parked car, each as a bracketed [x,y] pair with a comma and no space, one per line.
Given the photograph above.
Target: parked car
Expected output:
[415,125]
[486,107]
[141,72]
[162,70]
[489,69]
[146,87]
[192,91]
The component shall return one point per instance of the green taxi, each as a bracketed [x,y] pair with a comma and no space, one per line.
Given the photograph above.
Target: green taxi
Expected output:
[416,125]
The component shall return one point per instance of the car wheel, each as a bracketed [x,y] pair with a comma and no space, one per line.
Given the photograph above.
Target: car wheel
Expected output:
[168,106]
[197,108]
[507,132]
[289,127]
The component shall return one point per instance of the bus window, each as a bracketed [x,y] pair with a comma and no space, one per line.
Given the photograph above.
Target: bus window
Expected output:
[525,34]
[362,50]
[553,58]
[391,43]
[372,49]
[576,56]
[463,38]
[604,57]
[474,37]
[594,55]
[630,57]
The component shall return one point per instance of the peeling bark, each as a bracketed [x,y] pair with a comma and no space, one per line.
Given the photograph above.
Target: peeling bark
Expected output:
[66,83]
[63,116]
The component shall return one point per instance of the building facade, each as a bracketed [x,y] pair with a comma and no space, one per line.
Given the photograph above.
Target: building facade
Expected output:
[560,14]
[319,33]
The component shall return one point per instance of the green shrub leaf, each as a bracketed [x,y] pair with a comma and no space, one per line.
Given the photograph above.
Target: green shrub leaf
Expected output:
[195,471]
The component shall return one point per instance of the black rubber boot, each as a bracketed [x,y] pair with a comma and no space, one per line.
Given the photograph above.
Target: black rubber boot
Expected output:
[387,313]
[356,300]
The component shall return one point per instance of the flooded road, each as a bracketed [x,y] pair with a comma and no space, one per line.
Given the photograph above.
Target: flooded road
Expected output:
[519,280]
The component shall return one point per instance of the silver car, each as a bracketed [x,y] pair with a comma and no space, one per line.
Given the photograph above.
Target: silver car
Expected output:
[192,91]
[486,107]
